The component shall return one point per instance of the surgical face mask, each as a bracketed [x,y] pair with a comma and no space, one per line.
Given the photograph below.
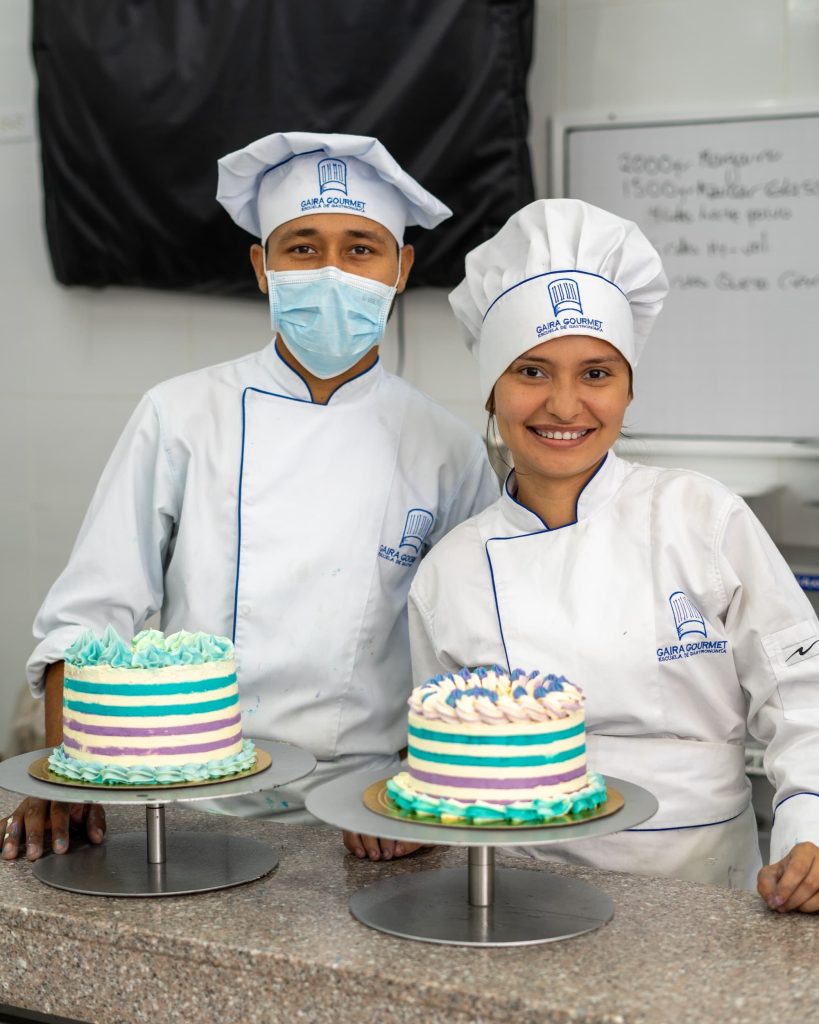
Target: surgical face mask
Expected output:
[328,318]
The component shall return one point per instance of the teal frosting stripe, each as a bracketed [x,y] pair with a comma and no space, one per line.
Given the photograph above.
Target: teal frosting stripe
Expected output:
[534,760]
[521,739]
[149,689]
[149,710]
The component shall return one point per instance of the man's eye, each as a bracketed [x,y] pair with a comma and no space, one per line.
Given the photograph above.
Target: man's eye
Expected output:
[303,249]
[361,250]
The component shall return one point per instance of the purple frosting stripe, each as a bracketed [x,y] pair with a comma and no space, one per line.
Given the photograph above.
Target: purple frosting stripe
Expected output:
[194,748]
[464,782]
[165,730]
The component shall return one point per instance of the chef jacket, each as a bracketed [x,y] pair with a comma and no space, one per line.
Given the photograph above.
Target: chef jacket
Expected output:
[235,505]
[670,606]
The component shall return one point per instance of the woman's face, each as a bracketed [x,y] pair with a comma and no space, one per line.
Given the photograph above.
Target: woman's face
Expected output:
[560,406]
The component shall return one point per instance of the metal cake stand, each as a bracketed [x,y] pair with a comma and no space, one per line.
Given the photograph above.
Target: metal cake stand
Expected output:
[176,864]
[479,906]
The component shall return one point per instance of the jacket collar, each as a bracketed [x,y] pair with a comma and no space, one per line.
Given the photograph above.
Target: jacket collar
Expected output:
[283,380]
[598,490]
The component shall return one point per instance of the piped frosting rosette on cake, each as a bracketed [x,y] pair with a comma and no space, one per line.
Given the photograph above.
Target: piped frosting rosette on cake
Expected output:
[153,711]
[488,746]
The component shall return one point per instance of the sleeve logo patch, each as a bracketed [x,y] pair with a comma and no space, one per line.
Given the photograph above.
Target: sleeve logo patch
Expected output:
[802,651]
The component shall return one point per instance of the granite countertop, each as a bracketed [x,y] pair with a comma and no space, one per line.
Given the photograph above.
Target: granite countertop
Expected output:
[285,948]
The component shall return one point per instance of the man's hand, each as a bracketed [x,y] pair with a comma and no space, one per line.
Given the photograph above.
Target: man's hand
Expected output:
[377,849]
[27,826]
[793,882]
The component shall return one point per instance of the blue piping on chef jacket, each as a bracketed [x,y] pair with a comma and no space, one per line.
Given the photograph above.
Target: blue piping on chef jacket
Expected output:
[289,398]
[679,828]
[533,533]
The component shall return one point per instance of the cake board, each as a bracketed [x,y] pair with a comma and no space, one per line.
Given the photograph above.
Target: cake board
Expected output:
[479,906]
[151,863]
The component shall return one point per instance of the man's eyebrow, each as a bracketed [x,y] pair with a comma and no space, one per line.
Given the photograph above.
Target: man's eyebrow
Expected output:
[298,233]
[371,236]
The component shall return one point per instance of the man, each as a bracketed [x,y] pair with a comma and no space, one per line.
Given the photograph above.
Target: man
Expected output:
[283,499]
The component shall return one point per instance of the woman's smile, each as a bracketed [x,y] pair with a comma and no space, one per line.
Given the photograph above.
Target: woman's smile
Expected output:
[562,437]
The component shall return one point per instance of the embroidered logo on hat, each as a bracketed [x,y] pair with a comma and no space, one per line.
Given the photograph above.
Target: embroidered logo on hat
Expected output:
[565,294]
[332,175]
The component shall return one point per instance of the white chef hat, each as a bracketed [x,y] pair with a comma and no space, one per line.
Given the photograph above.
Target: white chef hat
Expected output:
[292,174]
[558,267]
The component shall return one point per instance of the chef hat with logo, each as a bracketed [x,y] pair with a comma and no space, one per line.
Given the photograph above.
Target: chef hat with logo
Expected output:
[292,174]
[558,267]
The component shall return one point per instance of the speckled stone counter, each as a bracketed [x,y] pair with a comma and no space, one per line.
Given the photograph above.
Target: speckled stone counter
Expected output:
[285,948]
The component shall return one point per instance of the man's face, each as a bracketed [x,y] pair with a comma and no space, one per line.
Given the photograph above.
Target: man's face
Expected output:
[354,244]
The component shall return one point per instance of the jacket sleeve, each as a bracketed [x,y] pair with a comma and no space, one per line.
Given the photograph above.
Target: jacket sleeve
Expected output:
[774,634]
[477,488]
[115,571]
[427,659]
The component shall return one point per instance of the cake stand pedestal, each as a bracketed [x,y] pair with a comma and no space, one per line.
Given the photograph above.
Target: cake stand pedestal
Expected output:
[153,863]
[479,906]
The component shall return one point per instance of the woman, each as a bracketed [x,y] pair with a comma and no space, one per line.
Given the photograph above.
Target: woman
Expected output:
[655,590]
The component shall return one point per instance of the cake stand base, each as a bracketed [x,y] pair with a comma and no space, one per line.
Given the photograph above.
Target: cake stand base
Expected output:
[197,862]
[480,906]
[529,907]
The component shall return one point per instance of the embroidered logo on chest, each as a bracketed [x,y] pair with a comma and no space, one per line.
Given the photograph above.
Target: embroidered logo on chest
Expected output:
[688,621]
[416,529]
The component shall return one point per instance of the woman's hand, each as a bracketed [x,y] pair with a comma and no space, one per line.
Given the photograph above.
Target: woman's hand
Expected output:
[793,882]
[377,849]
[28,824]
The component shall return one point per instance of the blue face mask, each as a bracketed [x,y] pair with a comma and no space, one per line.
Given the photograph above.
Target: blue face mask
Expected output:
[328,318]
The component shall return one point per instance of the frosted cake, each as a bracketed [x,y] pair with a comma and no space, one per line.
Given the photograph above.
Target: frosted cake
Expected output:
[489,746]
[155,710]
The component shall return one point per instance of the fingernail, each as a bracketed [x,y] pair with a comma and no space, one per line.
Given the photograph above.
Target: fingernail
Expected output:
[387,855]
[399,850]
[60,845]
[359,852]
[95,835]
[7,849]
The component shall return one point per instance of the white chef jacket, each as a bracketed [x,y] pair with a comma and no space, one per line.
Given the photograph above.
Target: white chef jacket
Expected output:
[669,605]
[237,506]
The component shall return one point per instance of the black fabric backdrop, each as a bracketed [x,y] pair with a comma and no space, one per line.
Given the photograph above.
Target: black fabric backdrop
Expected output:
[138,99]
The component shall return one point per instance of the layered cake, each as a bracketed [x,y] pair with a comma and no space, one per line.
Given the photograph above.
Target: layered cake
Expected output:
[153,711]
[492,746]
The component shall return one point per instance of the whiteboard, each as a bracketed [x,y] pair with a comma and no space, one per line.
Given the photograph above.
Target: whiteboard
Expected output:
[732,206]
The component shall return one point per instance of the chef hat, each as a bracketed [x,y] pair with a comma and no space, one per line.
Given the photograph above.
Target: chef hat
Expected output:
[558,267]
[292,174]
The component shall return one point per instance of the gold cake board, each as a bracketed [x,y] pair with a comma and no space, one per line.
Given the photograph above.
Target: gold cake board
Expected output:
[376,798]
[39,770]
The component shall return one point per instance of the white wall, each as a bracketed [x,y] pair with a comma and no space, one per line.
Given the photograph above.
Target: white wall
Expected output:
[74,361]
